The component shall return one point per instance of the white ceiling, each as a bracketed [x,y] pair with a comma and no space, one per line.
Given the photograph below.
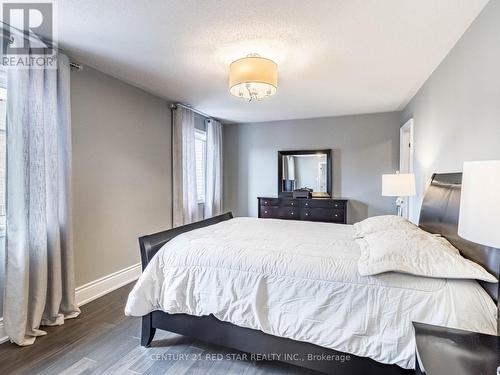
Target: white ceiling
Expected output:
[335,57]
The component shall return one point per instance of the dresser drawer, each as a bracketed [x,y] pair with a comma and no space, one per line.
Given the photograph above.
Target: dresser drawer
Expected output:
[326,210]
[269,211]
[269,201]
[289,213]
[323,214]
[319,203]
[289,203]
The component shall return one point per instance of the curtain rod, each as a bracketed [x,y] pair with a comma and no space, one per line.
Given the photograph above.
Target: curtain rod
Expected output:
[75,66]
[174,106]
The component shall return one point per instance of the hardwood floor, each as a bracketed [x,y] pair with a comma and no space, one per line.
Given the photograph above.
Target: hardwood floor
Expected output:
[104,341]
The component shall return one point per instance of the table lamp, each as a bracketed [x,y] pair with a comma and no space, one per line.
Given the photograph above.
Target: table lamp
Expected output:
[479,218]
[398,185]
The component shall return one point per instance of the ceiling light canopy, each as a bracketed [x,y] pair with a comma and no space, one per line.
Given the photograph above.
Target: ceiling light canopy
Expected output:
[253,77]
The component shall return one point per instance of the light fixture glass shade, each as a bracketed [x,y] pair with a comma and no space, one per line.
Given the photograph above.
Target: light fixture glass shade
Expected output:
[253,78]
[479,218]
[398,185]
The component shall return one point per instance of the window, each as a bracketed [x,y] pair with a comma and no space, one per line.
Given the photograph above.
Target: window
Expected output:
[200,148]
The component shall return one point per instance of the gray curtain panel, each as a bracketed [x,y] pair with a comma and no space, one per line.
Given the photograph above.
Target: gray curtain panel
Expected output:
[39,285]
[185,204]
[213,183]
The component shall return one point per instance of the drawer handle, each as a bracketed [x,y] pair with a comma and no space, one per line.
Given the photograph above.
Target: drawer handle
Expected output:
[291,213]
[336,215]
[307,214]
[292,203]
[265,202]
[336,205]
[265,212]
[307,204]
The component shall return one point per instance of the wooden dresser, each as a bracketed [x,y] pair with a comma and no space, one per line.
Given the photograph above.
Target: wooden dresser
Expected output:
[313,209]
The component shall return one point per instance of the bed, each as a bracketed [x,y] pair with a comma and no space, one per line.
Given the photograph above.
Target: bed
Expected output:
[290,290]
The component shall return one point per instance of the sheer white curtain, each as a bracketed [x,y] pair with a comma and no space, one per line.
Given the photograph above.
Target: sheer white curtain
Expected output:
[185,202]
[213,183]
[289,167]
[39,285]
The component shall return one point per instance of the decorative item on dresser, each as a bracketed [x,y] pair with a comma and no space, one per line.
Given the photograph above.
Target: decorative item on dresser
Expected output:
[315,209]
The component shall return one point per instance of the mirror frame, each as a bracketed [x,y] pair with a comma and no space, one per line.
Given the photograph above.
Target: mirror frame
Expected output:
[328,153]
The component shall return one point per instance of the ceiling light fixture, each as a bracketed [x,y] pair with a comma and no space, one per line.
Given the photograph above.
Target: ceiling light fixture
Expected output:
[253,77]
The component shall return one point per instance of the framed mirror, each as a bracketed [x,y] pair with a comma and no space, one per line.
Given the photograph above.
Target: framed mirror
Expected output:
[299,169]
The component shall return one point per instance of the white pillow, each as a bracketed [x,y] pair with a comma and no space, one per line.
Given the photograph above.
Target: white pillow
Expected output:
[380,223]
[418,253]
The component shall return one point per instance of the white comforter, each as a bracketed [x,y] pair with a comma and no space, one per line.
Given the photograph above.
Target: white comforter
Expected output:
[299,280]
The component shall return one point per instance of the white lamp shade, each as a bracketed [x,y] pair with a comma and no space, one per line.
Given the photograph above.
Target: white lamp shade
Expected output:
[253,78]
[398,185]
[479,218]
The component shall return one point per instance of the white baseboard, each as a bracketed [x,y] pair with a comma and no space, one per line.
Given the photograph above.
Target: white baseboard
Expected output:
[97,288]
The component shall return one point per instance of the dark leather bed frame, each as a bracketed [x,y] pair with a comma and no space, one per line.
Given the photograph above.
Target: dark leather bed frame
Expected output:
[439,214]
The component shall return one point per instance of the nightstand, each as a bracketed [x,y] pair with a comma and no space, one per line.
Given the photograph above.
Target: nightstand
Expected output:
[445,351]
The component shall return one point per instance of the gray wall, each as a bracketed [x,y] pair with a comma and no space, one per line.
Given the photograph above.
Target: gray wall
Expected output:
[121,171]
[457,111]
[364,147]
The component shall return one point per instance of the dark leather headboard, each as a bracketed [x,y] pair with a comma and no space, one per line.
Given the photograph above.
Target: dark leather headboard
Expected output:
[152,243]
[439,214]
